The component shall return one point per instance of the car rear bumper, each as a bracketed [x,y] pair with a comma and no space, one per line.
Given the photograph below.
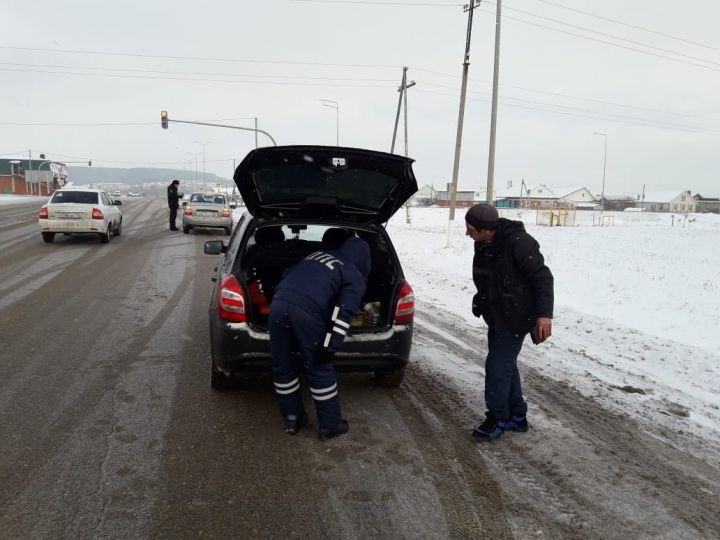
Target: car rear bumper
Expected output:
[202,221]
[237,347]
[72,226]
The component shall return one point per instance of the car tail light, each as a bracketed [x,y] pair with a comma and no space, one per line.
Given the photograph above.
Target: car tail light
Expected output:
[226,212]
[231,301]
[405,310]
[44,213]
[188,210]
[97,214]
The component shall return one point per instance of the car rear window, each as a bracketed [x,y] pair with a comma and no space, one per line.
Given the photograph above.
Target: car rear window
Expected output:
[77,197]
[363,187]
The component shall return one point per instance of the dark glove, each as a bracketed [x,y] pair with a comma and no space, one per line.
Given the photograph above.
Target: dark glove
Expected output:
[475,307]
[324,356]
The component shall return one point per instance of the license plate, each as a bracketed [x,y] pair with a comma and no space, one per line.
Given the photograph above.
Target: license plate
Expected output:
[69,215]
[206,213]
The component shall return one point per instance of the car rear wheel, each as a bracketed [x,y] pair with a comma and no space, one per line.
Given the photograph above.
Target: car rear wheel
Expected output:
[186,230]
[218,379]
[390,379]
[48,237]
[228,230]
[118,229]
[105,237]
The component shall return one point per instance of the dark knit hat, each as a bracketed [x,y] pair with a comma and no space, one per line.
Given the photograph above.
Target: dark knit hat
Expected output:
[482,216]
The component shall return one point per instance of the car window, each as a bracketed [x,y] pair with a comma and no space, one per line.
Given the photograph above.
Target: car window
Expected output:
[219,199]
[234,243]
[197,197]
[293,182]
[77,197]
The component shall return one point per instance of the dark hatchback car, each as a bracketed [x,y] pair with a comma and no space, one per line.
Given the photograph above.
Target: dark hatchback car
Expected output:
[294,195]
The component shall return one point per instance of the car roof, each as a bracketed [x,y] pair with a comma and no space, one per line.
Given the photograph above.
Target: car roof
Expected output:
[71,188]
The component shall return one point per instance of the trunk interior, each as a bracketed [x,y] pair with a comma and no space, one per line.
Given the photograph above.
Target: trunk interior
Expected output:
[270,250]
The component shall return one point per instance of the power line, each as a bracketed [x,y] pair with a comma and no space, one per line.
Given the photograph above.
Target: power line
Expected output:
[656,32]
[229,81]
[193,58]
[281,76]
[612,36]
[609,43]
[381,3]
[544,103]
[592,115]
[557,94]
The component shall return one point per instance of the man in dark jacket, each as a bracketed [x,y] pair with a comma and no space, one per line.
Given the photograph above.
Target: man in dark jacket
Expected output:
[515,297]
[173,202]
[310,316]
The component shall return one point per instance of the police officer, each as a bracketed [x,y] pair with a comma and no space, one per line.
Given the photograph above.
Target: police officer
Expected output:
[173,202]
[310,316]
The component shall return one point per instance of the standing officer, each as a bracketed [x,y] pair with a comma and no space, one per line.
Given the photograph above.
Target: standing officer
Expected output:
[515,297]
[310,315]
[173,203]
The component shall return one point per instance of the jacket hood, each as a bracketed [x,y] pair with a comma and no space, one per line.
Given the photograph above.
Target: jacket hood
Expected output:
[357,251]
[507,228]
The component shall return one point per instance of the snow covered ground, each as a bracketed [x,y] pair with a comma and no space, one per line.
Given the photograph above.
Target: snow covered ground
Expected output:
[18,199]
[637,317]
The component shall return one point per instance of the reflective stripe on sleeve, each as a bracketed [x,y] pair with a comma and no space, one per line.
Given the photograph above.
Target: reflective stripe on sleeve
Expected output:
[327,340]
[335,313]
[338,322]
[340,331]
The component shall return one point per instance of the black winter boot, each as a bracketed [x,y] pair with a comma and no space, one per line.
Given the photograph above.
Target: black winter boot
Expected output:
[328,433]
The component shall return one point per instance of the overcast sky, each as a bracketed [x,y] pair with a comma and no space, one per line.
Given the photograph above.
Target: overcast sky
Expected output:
[564,74]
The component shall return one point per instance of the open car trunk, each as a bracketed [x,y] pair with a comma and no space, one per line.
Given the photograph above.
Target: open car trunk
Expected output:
[272,249]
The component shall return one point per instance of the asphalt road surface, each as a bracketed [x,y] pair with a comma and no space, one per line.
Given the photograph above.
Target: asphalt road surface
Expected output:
[109,428]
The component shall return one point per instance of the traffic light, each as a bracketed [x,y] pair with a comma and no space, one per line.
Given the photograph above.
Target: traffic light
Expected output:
[90,163]
[164,119]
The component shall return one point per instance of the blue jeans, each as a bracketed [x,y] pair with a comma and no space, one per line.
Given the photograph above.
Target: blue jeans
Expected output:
[503,392]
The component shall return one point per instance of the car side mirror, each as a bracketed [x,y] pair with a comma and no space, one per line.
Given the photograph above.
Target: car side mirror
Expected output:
[117,203]
[184,203]
[214,247]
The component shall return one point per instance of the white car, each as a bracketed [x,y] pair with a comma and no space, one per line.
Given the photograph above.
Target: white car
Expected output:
[80,211]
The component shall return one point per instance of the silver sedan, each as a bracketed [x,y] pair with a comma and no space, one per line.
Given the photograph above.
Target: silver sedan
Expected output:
[207,210]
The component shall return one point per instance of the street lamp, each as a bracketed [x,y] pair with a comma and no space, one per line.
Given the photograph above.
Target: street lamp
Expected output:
[203,144]
[602,193]
[334,105]
[195,155]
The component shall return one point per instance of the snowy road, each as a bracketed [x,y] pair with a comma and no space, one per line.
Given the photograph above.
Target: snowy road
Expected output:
[108,426]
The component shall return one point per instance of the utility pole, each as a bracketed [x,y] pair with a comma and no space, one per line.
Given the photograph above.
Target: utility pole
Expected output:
[493,117]
[256,141]
[29,173]
[461,114]
[402,98]
[402,103]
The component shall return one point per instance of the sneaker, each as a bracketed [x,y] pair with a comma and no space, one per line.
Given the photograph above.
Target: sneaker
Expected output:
[294,424]
[328,433]
[516,423]
[490,429]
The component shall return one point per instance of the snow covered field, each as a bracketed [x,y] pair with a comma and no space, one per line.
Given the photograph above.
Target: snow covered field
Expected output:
[18,199]
[637,316]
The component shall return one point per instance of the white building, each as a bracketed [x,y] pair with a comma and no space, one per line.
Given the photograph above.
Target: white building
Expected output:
[669,201]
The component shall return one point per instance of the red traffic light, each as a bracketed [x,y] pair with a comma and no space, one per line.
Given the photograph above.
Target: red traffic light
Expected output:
[164,119]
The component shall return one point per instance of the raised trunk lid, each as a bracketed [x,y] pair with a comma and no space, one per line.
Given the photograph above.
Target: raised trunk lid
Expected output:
[324,182]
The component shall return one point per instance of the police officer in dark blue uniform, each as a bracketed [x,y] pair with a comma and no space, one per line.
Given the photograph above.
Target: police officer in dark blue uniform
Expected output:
[310,316]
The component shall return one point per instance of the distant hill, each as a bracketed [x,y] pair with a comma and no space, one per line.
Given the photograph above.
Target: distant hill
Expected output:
[136,176]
